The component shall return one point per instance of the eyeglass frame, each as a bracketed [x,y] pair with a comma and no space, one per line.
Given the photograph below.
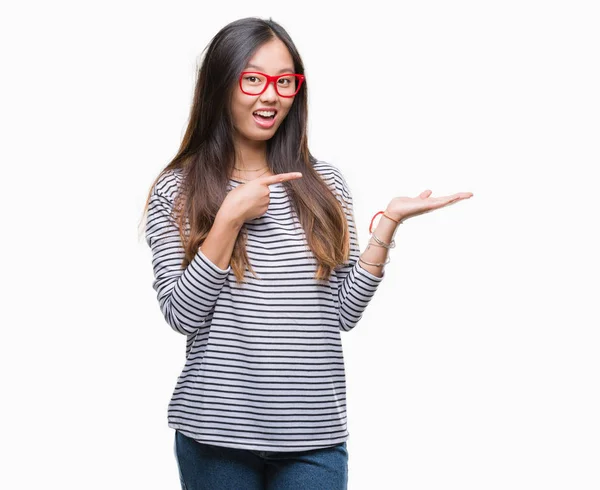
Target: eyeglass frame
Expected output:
[274,80]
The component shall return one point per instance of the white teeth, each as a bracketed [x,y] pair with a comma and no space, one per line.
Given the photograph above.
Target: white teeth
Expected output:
[265,113]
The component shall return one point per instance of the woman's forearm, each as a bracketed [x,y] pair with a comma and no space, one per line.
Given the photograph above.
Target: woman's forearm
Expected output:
[218,244]
[375,253]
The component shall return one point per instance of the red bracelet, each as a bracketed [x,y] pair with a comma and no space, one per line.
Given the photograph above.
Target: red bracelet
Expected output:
[377,214]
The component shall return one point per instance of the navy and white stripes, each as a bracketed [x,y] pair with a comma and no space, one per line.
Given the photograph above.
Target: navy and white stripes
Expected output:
[264,364]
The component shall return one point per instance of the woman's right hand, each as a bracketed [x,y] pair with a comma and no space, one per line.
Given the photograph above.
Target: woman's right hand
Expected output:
[251,199]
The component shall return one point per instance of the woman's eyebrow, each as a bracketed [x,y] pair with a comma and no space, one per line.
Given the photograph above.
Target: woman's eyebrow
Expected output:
[285,70]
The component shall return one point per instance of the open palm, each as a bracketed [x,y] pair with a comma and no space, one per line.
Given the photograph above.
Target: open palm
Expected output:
[402,208]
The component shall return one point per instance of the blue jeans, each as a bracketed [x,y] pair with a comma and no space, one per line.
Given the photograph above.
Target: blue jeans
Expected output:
[208,467]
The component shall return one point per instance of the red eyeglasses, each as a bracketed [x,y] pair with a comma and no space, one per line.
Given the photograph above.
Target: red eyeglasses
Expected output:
[255,83]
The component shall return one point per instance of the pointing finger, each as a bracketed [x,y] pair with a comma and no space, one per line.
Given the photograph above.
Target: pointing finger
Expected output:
[274,179]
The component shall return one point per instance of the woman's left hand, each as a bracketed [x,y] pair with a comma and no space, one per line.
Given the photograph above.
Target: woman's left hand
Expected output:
[402,208]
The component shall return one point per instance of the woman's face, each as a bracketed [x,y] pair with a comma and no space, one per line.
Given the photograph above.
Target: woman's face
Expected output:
[272,58]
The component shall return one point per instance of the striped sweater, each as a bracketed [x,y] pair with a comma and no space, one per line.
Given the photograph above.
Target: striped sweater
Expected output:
[264,365]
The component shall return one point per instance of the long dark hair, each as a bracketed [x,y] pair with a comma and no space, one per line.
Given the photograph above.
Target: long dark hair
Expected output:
[206,154]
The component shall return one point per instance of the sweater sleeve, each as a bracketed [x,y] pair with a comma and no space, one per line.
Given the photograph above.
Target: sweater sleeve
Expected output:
[186,296]
[356,285]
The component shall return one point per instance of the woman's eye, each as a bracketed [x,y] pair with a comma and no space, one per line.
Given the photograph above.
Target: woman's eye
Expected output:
[284,81]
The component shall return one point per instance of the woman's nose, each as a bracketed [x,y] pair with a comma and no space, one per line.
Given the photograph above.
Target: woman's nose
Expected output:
[270,93]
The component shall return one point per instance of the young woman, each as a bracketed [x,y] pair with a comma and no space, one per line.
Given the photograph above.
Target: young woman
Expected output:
[257,263]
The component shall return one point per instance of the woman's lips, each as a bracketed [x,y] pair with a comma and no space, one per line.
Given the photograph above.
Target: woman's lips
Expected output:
[263,122]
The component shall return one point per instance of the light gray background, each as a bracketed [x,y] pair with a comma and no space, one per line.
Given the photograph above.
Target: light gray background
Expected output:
[476,364]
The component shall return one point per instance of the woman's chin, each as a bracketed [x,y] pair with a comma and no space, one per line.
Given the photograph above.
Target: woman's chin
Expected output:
[262,135]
